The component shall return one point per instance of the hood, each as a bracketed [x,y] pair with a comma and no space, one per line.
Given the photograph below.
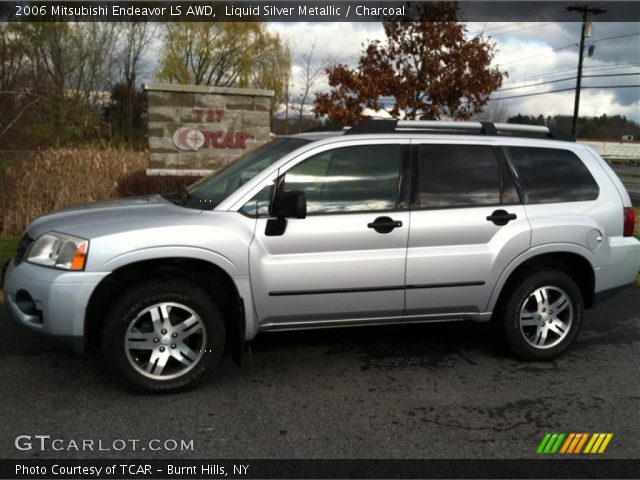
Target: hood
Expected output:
[105,218]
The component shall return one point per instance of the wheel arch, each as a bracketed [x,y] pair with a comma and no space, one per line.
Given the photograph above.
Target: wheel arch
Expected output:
[216,281]
[569,259]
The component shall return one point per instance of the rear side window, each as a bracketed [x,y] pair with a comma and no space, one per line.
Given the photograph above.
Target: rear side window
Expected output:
[457,176]
[550,175]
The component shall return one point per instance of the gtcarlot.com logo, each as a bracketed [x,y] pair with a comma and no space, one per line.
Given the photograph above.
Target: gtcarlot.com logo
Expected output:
[45,443]
[574,443]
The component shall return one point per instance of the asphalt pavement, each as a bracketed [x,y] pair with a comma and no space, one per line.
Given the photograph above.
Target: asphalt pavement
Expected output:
[422,391]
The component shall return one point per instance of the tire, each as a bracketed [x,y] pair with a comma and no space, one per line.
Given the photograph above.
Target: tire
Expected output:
[541,315]
[162,337]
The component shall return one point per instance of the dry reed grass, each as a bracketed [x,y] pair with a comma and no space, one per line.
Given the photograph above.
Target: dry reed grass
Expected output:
[58,178]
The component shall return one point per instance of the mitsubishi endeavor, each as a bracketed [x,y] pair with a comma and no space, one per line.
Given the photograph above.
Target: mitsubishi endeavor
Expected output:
[387,222]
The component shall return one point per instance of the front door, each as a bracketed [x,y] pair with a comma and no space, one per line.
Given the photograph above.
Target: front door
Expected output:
[344,262]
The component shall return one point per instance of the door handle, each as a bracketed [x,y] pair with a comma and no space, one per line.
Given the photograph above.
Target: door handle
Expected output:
[384,224]
[501,217]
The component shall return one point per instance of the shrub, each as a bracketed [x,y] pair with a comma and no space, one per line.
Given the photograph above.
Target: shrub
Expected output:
[58,178]
[138,183]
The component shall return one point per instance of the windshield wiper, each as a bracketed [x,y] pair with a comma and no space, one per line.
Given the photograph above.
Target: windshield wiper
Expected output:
[179,197]
[183,195]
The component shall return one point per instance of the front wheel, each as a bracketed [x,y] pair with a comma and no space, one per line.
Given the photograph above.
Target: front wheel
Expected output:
[542,317]
[163,336]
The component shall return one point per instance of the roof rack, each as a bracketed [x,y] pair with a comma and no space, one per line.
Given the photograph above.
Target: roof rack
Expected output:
[473,128]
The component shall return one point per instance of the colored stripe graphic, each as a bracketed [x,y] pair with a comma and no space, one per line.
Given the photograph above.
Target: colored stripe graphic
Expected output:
[582,441]
[550,443]
[573,443]
[556,446]
[598,442]
[567,443]
[543,443]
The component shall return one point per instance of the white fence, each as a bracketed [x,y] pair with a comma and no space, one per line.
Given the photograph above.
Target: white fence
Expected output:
[628,152]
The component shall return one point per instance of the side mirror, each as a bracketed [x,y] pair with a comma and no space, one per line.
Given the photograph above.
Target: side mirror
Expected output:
[292,204]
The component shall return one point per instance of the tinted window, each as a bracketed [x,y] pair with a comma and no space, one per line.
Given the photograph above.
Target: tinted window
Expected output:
[458,175]
[211,190]
[552,175]
[350,179]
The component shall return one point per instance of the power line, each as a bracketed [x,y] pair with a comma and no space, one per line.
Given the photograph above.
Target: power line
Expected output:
[511,29]
[611,75]
[561,90]
[567,46]
[567,78]
[592,68]
[538,55]
[617,36]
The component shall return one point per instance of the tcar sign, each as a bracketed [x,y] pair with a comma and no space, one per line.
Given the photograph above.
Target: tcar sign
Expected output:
[199,129]
[191,139]
[188,139]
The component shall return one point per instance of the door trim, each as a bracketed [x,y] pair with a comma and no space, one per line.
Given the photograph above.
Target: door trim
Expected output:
[371,321]
[374,289]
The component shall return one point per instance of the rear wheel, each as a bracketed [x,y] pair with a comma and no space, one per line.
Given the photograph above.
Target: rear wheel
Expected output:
[542,315]
[163,336]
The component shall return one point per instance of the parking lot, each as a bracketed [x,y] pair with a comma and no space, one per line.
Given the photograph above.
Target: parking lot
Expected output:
[422,391]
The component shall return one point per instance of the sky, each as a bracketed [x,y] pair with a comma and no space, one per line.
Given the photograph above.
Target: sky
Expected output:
[529,52]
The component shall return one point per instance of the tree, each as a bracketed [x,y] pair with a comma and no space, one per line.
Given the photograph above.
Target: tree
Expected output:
[273,72]
[136,37]
[604,126]
[12,67]
[224,54]
[493,112]
[312,75]
[427,69]
[59,74]
[126,115]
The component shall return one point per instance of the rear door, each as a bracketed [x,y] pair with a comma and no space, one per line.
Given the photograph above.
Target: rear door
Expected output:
[467,224]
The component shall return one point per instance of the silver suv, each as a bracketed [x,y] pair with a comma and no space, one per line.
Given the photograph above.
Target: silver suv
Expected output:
[387,222]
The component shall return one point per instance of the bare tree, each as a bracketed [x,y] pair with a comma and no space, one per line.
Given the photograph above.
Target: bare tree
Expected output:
[312,74]
[493,112]
[136,37]
[72,64]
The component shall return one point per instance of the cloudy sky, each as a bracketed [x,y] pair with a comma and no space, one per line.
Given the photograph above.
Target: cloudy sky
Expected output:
[531,53]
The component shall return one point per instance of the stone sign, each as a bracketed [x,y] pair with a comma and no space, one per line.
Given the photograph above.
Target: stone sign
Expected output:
[194,129]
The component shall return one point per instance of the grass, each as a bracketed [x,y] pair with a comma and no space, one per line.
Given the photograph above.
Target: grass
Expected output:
[8,246]
[630,178]
[58,178]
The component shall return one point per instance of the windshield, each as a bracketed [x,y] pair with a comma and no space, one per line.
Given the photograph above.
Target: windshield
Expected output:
[208,192]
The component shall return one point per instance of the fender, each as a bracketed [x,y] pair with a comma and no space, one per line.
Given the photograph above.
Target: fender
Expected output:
[534,252]
[159,252]
[238,277]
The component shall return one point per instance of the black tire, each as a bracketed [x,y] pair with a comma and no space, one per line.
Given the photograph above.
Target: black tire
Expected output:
[192,321]
[524,337]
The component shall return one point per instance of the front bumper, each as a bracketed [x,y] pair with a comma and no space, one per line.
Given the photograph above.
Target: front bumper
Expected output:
[49,301]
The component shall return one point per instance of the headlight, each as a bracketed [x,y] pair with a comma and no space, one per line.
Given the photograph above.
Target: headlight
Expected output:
[59,250]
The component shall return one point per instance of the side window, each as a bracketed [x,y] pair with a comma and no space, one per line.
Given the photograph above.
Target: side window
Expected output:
[350,179]
[457,176]
[550,175]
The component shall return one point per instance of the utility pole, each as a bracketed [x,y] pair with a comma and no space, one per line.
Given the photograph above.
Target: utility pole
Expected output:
[576,106]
